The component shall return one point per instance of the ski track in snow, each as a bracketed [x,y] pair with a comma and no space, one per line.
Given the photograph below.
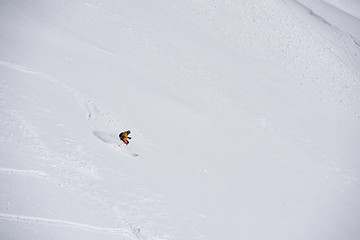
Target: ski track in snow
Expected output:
[82,226]
[79,97]
[23,172]
[93,112]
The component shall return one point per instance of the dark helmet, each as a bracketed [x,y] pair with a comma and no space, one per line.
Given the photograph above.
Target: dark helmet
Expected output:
[128,131]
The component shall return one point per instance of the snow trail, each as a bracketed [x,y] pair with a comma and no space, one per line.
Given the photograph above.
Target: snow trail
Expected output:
[24,172]
[97,118]
[49,221]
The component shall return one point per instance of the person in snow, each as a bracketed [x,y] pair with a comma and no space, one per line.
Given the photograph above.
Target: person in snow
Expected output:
[124,136]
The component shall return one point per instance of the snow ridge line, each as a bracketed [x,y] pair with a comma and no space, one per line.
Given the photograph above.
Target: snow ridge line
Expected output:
[335,28]
[24,172]
[86,227]
[320,18]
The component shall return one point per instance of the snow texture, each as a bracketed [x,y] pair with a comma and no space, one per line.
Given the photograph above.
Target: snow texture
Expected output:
[245,116]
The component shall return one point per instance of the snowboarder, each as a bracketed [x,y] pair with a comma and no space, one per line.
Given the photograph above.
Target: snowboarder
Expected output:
[124,136]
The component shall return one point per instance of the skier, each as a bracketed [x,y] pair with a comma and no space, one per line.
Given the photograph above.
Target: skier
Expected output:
[124,136]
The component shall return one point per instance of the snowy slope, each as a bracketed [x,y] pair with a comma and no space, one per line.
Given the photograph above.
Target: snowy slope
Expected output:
[244,114]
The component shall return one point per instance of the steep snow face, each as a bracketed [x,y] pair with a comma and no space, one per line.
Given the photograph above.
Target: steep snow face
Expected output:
[313,39]
[244,119]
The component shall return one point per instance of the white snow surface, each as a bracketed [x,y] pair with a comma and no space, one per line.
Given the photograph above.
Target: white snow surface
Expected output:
[245,116]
